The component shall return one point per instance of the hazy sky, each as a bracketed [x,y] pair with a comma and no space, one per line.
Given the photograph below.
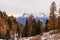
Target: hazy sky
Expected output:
[18,7]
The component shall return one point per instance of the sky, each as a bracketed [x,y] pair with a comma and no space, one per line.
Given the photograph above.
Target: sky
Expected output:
[18,7]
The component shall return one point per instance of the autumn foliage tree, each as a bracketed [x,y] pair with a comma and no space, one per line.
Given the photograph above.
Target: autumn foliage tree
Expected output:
[32,28]
[8,24]
[53,20]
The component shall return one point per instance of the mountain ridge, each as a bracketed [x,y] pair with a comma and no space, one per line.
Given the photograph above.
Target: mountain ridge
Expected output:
[22,20]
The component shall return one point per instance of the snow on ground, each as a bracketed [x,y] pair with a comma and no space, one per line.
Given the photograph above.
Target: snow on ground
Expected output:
[1,39]
[27,38]
[48,36]
[45,36]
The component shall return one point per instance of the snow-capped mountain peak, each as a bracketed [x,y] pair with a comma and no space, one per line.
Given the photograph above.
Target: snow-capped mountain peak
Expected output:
[41,16]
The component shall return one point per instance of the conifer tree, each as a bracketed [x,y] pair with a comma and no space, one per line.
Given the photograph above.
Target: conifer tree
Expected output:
[53,20]
[24,34]
[46,27]
[38,30]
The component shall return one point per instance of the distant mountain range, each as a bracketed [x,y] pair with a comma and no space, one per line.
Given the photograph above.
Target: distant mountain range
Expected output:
[22,20]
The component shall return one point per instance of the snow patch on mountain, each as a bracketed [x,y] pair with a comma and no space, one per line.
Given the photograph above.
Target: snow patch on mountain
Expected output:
[22,19]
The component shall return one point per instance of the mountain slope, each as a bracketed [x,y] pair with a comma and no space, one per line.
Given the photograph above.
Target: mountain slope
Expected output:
[22,20]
